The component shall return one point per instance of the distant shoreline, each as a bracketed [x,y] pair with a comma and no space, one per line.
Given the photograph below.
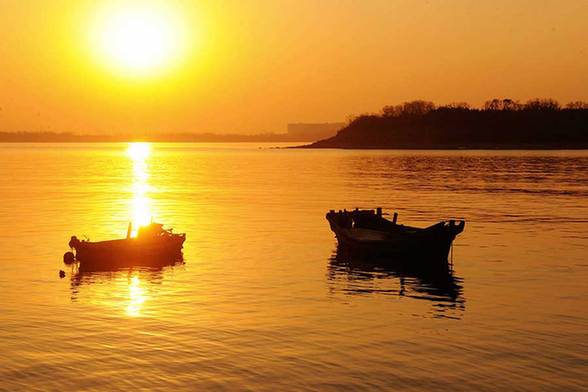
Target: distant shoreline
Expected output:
[141,141]
[446,148]
[311,147]
[315,145]
[51,137]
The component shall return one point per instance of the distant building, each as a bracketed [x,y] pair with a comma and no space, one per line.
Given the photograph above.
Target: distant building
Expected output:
[313,131]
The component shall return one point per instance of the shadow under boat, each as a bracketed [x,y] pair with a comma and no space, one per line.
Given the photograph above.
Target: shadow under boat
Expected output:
[431,280]
[117,264]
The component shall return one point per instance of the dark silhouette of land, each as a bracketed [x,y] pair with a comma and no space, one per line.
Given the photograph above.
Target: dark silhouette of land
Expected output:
[500,124]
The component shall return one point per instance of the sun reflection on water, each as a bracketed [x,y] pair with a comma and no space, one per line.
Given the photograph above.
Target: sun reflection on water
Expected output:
[140,203]
[137,297]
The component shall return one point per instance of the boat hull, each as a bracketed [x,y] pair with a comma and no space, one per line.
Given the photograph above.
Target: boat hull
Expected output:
[380,237]
[129,252]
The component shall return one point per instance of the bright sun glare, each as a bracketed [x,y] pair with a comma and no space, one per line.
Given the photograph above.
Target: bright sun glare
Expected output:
[138,39]
[140,203]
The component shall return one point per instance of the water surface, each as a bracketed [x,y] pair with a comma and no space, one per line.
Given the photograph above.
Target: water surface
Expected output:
[263,301]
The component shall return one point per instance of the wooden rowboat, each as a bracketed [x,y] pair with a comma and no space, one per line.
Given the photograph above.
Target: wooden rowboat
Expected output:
[153,246]
[368,232]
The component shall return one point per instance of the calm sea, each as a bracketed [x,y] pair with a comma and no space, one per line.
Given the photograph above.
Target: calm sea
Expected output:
[263,301]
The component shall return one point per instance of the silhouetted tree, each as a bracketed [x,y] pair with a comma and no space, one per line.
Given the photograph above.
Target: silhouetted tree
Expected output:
[456,105]
[509,104]
[502,104]
[494,104]
[542,104]
[392,111]
[412,108]
[577,105]
[417,108]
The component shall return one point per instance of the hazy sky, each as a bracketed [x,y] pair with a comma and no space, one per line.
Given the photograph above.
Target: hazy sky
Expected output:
[252,66]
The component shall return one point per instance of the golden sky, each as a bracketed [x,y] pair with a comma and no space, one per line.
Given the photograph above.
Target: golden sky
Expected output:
[253,66]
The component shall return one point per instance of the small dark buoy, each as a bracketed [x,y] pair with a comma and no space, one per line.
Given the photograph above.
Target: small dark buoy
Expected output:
[69,258]
[61,273]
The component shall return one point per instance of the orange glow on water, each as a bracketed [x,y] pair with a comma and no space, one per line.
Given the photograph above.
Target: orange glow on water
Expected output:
[137,297]
[262,269]
[141,202]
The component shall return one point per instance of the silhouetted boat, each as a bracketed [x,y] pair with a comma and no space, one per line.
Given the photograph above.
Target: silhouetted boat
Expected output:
[153,246]
[367,232]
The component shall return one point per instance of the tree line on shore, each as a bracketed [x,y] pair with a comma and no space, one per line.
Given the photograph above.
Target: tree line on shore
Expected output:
[500,123]
[420,107]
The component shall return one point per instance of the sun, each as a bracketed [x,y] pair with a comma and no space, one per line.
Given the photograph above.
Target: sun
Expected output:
[138,39]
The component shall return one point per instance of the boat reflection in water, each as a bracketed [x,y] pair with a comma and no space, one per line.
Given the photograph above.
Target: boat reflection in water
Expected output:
[128,291]
[356,274]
